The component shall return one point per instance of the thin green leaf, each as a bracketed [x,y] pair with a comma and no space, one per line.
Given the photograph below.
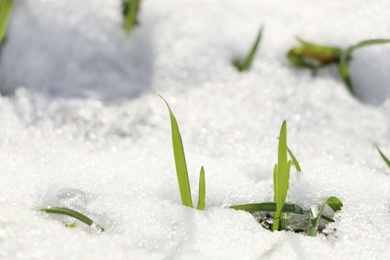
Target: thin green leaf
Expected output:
[316,212]
[281,176]
[246,64]
[387,161]
[343,65]
[202,190]
[271,207]
[70,213]
[5,13]
[180,161]
[130,9]
[294,160]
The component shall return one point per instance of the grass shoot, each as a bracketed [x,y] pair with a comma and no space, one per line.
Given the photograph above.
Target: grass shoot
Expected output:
[73,214]
[281,185]
[387,161]
[316,213]
[181,167]
[313,56]
[130,9]
[5,14]
[245,64]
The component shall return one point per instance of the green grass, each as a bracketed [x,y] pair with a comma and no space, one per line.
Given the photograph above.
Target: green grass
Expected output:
[387,161]
[281,185]
[5,13]
[71,213]
[313,56]
[343,63]
[130,9]
[246,63]
[181,167]
[316,213]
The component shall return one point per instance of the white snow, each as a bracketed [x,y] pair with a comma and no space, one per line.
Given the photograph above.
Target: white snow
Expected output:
[83,127]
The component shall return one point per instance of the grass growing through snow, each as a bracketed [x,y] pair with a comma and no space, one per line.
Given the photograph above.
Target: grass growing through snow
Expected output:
[246,63]
[181,167]
[281,185]
[313,56]
[73,214]
[5,14]
[387,161]
[130,9]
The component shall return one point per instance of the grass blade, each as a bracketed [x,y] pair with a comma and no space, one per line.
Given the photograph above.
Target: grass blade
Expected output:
[294,160]
[70,213]
[343,65]
[281,176]
[243,65]
[202,190]
[384,157]
[180,161]
[317,210]
[271,207]
[5,14]
[130,10]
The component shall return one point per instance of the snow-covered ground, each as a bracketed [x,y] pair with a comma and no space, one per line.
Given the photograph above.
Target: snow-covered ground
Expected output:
[82,127]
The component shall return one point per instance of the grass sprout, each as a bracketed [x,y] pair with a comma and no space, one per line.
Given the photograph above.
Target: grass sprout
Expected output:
[5,14]
[181,167]
[281,184]
[313,56]
[316,213]
[387,161]
[73,214]
[245,64]
[130,9]
[343,64]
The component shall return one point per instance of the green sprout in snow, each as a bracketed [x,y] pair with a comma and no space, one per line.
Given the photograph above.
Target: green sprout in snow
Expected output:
[314,57]
[5,13]
[245,64]
[281,185]
[73,214]
[130,9]
[181,167]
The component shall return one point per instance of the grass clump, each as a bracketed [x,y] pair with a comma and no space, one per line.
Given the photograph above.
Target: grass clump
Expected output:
[281,185]
[181,167]
[246,63]
[5,14]
[314,57]
[73,214]
[130,9]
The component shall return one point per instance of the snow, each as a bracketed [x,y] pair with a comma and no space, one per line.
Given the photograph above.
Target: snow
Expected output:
[83,127]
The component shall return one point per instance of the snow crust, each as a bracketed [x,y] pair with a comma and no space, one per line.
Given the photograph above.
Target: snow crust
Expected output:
[83,127]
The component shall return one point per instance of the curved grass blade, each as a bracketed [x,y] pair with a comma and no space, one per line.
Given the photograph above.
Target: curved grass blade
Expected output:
[202,190]
[243,65]
[281,176]
[343,65]
[383,157]
[317,210]
[271,207]
[130,10]
[180,161]
[294,160]
[5,14]
[70,213]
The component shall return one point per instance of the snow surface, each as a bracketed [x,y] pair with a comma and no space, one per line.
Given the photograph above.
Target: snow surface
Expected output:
[83,127]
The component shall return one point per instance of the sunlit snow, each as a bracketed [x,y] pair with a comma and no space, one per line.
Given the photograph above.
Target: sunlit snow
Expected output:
[82,127]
